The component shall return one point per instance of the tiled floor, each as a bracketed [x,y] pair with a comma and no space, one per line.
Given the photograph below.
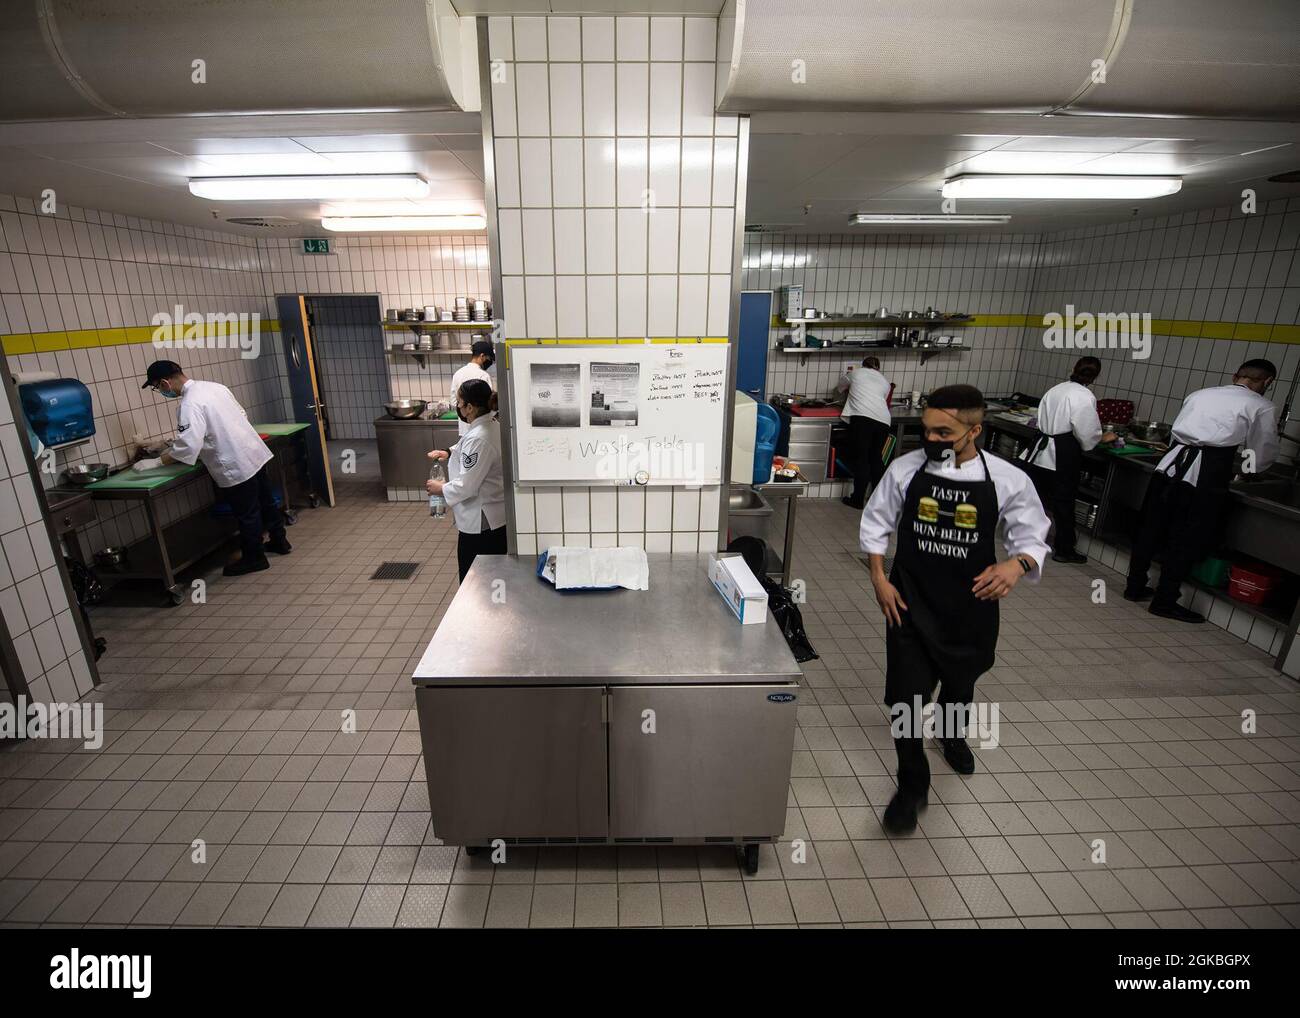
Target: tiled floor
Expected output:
[224,725]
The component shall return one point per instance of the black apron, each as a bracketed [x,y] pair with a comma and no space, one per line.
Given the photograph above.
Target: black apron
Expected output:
[1069,455]
[945,539]
[1218,462]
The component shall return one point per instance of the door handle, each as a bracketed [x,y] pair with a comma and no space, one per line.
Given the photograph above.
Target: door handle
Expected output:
[315,406]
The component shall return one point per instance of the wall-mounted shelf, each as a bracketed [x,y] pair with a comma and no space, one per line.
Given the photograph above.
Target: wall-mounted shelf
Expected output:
[420,355]
[805,351]
[881,323]
[438,326]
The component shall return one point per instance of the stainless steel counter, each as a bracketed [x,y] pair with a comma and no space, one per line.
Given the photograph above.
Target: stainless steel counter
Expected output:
[403,445]
[605,716]
[678,631]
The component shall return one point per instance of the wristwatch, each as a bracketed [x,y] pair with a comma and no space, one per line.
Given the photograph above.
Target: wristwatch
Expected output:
[1024,564]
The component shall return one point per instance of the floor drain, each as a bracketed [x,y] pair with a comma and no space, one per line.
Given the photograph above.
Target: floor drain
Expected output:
[395,571]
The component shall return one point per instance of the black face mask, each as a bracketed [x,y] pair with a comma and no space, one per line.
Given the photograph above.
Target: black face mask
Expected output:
[461,414]
[937,451]
[488,362]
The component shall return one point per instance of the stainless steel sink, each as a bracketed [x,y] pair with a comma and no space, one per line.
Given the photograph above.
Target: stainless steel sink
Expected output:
[746,501]
[1281,490]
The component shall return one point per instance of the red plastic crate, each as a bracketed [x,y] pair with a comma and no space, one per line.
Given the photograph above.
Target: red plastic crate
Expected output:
[1251,585]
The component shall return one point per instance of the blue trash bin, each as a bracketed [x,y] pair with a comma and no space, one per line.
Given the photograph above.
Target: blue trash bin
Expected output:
[765,436]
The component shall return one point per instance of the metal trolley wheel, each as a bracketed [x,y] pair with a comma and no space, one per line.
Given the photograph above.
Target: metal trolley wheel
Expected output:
[177,594]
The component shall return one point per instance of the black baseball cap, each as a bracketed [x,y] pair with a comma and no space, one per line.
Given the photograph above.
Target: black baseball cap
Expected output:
[159,370]
[481,346]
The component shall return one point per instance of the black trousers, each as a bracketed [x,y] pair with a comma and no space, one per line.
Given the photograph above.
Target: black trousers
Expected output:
[1057,490]
[1179,522]
[470,546]
[868,437]
[255,510]
[912,673]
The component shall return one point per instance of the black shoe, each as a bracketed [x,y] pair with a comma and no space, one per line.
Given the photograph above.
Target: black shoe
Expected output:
[959,755]
[280,547]
[900,814]
[246,565]
[1071,558]
[1145,594]
[1176,612]
[848,501]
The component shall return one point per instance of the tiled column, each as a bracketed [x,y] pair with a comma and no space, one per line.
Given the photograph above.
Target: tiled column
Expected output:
[616,200]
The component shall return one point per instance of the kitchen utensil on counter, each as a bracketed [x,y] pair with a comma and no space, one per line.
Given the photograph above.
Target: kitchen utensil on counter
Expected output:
[392,315]
[480,311]
[910,315]
[932,314]
[444,340]
[809,313]
[1151,431]
[880,312]
[405,409]
[81,474]
[410,315]
[111,558]
[430,312]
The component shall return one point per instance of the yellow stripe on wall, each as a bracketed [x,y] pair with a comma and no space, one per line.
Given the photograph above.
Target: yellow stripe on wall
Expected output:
[81,339]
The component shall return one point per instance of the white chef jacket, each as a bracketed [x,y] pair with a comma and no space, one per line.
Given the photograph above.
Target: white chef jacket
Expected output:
[868,394]
[1225,415]
[463,374]
[211,426]
[475,488]
[1066,407]
[1021,518]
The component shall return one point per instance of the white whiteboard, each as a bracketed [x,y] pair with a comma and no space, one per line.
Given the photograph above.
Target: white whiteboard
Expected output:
[650,414]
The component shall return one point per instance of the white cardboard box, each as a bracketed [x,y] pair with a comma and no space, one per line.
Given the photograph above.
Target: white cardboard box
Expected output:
[739,587]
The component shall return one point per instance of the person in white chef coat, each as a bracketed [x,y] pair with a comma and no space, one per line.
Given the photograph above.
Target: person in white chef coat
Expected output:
[866,408]
[475,488]
[1186,497]
[211,426]
[1069,426]
[945,502]
[481,359]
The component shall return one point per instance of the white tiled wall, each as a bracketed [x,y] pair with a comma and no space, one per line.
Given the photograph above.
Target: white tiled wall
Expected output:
[35,605]
[404,272]
[845,274]
[83,269]
[616,189]
[1213,265]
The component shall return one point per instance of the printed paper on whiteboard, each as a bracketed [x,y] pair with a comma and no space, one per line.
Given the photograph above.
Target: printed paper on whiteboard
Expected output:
[614,394]
[556,395]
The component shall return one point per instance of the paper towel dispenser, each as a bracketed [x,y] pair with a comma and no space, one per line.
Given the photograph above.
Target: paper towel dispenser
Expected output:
[58,410]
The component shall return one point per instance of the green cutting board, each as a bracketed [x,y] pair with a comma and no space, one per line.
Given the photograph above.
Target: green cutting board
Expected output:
[142,480]
[280,429]
[1129,450]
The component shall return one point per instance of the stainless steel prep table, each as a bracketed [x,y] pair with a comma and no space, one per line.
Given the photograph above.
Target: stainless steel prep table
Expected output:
[533,708]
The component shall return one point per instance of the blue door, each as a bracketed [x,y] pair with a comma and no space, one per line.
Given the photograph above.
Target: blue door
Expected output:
[751,359]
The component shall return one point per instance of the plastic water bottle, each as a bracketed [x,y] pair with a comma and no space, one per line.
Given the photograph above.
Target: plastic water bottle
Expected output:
[437,504]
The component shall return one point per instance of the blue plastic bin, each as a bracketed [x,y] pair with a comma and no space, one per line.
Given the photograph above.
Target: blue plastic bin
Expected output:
[765,436]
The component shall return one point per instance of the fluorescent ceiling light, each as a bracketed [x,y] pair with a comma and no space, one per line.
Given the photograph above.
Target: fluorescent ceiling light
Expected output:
[402,224]
[1059,186]
[310,187]
[904,219]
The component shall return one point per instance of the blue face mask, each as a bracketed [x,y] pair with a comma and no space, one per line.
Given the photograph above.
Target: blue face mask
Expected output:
[168,394]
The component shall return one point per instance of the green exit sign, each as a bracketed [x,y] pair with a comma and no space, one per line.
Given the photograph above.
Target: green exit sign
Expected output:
[316,245]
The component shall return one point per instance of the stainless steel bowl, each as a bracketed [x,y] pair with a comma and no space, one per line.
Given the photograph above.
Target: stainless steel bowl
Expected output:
[81,474]
[111,557]
[405,409]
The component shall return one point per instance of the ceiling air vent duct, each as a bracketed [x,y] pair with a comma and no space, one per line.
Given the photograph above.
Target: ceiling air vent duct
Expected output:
[97,58]
[1181,58]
